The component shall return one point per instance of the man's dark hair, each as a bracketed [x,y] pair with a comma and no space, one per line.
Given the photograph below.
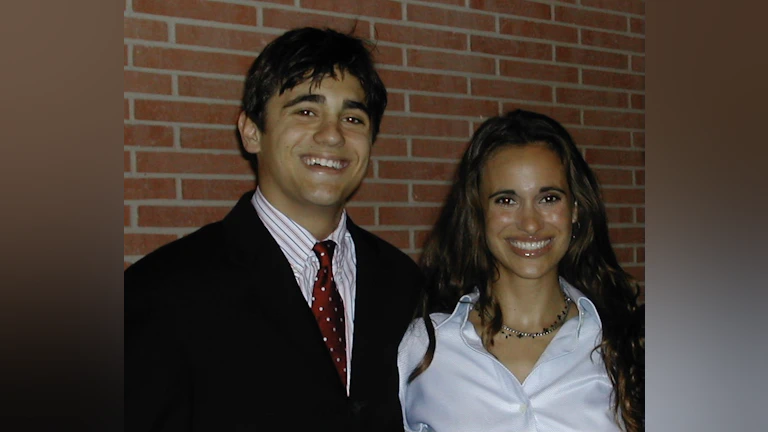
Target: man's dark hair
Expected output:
[312,54]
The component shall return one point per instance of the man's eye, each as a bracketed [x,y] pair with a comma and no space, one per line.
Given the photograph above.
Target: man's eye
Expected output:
[306,112]
[355,120]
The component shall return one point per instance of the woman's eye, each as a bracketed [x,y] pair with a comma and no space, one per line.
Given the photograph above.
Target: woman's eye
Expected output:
[505,201]
[550,199]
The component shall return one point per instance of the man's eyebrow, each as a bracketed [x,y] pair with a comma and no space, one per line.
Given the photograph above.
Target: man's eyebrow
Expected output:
[305,98]
[350,104]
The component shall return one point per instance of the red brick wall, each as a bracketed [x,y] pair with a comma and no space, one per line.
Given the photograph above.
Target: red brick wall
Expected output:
[447,64]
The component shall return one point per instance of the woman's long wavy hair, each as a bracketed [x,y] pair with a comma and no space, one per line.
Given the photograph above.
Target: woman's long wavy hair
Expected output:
[456,258]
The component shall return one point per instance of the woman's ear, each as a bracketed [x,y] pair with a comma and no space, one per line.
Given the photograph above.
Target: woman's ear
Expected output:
[250,133]
[575,213]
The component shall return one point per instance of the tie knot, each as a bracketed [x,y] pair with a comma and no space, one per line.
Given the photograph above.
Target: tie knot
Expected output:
[324,252]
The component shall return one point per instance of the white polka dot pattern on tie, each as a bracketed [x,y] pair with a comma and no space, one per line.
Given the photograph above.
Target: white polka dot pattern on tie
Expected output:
[329,309]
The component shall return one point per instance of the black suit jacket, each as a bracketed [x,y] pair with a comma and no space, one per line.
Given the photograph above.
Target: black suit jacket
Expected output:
[218,336]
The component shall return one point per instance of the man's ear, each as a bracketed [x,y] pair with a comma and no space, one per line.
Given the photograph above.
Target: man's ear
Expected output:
[250,133]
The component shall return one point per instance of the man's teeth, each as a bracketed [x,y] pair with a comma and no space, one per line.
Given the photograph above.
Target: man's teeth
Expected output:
[531,245]
[324,162]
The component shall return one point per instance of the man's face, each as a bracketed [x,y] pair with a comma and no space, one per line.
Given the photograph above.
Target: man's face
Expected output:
[315,148]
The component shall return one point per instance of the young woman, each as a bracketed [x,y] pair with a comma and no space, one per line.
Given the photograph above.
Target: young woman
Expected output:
[527,322]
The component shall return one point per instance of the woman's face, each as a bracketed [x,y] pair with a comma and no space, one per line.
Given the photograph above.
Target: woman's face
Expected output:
[528,210]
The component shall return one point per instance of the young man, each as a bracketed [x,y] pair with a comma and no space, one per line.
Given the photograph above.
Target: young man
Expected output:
[226,329]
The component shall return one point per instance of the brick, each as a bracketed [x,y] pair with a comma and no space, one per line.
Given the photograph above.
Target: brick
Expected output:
[147,135]
[449,61]
[538,30]
[222,38]
[136,28]
[395,102]
[186,112]
[387,55]
[626,158]
[613,177]
[401,170]
[638,63]
[420,236]
[400,239]
[538,71]
[381,192]
[625,254]
[640,254]
[614,119]
[513,7]
[142,244]
[126,109]
[177,216]
[468,107]
[423,81]
[451,18]
[627,235]
[143,82]
[190,61]
[623,196]
[640,215]
[431,127]
[613,80]
[442,149]
[199,9]
[637,101]
[389,147]
[126,161]
[637,25]
[220,139]
[214,189]
[410,216]
[430,193]
[126,216]
[450,2]
[600,138]
[421,37]
[617,215]
[283,19]
[149,188]
[612,41]
[511,48]
[191,163]
[640,177]
[637,272]
[563,115]
[377,8]
[636,7]
[638,139]
[588,18]
[591,57]
[573,96]
[364,216]
[511,90]
[125,55]
[211,88]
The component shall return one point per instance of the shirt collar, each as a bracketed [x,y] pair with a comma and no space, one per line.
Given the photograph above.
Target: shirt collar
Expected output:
[587,309]
[295,241]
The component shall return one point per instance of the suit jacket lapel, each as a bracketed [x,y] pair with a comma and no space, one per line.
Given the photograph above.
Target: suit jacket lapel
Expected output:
[276,295]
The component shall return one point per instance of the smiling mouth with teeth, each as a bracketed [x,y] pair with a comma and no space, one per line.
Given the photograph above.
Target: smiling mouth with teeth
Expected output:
[328,163]
[531,245]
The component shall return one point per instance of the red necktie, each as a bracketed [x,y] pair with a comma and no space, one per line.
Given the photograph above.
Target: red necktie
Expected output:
[329,308]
